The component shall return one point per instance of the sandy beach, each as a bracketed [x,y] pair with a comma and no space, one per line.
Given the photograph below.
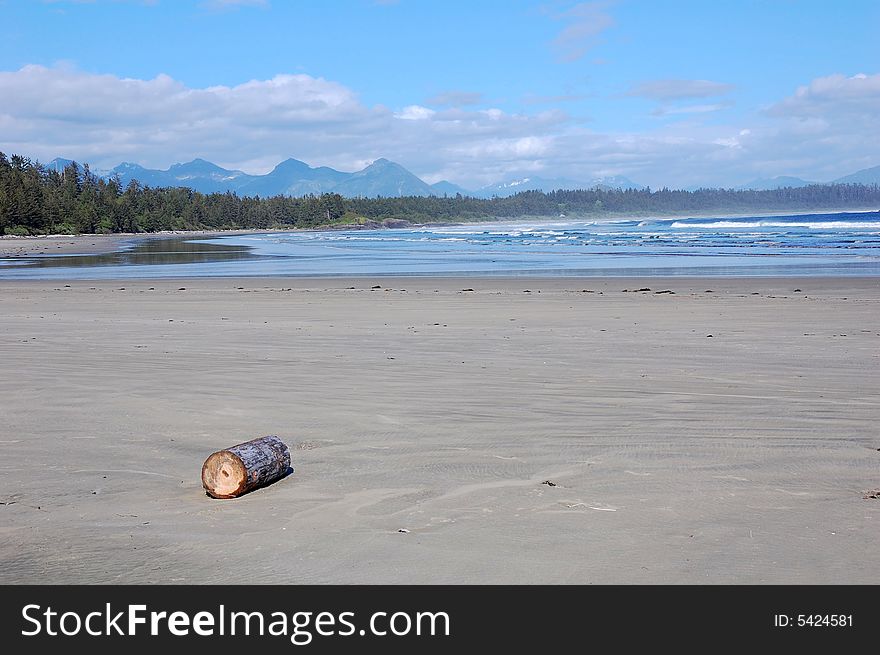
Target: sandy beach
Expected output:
[512,430]
[93,244]
[58,244]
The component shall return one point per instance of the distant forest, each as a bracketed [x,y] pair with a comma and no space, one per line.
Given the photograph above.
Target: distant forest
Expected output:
[35,200]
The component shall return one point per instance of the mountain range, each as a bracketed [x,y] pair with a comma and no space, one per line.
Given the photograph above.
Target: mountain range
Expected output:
[296,178]
[864,176]
[509,188]
[769,183]
[381,178]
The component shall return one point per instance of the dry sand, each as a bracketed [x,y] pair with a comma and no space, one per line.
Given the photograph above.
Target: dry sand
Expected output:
[674,457]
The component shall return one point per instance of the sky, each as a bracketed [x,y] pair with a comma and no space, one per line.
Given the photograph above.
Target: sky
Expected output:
[677,93]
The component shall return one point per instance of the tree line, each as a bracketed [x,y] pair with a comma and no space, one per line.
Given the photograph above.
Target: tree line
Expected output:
[39,200]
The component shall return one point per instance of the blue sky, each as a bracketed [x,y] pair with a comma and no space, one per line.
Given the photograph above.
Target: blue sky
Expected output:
[676,93]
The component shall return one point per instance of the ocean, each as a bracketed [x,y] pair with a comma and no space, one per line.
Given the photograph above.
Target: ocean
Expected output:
[832,244]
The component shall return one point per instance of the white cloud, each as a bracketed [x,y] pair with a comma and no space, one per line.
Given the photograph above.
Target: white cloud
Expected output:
[691,109]
[585,21]
[828,128]
[822,131]
[455,98]
[728,142]
[679,89]
[104,119]
[527,147]
[101,118]
[415,113]
[836,94]
[669,91]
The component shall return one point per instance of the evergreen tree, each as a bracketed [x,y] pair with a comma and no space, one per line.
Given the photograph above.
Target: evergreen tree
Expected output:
[34,200]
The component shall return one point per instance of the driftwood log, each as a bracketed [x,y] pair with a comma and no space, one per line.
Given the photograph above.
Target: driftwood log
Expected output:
[234,471]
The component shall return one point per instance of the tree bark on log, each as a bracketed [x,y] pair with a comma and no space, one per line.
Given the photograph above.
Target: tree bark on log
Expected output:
[237,470]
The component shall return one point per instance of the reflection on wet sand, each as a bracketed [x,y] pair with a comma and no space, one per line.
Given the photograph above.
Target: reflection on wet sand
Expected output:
[151,251]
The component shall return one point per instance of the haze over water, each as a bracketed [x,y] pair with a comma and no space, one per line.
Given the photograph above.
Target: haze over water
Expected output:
[834,244]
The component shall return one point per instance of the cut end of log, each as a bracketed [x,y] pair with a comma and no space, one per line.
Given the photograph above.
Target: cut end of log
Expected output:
[234,471]
[224,475]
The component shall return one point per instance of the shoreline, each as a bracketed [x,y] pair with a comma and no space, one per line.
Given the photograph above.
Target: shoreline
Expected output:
[97,244]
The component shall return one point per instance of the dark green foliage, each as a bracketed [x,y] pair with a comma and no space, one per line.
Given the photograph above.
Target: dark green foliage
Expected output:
[34,200]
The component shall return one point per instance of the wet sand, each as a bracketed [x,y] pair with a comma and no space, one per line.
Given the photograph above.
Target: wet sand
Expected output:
[95,244]
[57,244]
[527,431]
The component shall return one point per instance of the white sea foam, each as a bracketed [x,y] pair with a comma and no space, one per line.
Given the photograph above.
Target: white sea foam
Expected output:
[813,225]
